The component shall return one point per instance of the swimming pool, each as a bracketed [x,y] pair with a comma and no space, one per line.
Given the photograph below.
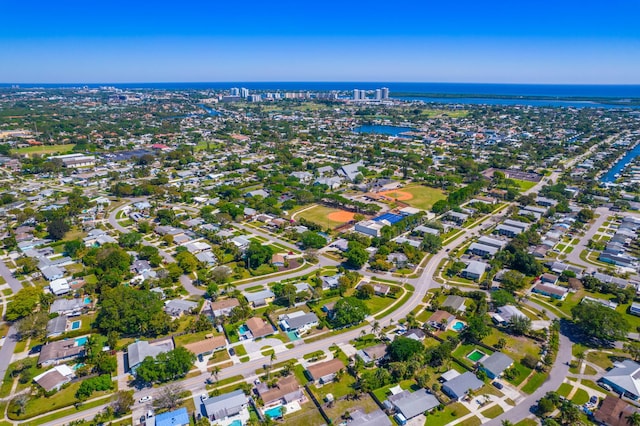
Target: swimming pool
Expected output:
[81,341]
[87,300]
[274,412]
[476,355]
[243,329]
[459,325]
[79,365]
[76,325]
[293,336]
[236,422]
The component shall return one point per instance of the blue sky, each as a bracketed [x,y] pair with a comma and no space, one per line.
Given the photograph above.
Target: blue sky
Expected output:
[561,41]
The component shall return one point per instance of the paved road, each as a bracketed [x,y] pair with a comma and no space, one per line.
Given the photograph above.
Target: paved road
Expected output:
[9,345]
[574,256]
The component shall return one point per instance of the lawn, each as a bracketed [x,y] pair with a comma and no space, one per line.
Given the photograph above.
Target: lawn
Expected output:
[319,215]
[308,416]
[364,403]
[444,112]
[517,346]
[339,388]
[377,303]
[424,197]
[527,422]
[524,184]
[45,149]
[493,412]
[446,416]
[580,397]
[383,392]
[523,373]
[534,382]
[564,389]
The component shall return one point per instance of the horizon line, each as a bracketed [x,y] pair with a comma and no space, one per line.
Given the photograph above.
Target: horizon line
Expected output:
[318,81]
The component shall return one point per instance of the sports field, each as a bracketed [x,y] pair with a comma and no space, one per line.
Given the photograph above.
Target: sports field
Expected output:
[326,217]
[421,197]
[45,149]
[525,184]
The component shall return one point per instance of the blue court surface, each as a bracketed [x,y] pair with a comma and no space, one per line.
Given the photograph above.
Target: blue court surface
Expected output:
[389,217]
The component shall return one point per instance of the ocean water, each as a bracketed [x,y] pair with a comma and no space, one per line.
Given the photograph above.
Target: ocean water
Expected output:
[381,129]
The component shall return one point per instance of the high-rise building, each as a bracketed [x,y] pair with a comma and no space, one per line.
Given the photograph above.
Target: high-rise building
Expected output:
[244,92]
[378,94]
[234,91]
[385,92]
[356,95]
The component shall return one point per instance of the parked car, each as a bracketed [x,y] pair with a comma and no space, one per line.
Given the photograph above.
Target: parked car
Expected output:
[204,396]
[498,385]
[232,351]
[146,398]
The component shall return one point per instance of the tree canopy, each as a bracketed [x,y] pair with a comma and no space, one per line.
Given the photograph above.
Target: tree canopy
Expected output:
[166,366]
[349,311]
[600,323]
[403,349]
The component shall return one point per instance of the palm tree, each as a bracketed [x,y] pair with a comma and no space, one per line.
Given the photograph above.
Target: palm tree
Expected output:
[215,371]
[633,419]
[375,327]
[271,359]
[581,356]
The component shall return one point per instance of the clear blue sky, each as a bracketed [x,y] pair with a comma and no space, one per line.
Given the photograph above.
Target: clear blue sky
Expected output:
[560,41]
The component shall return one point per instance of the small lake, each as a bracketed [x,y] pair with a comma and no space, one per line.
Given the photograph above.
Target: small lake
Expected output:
[610,176]
[382,130]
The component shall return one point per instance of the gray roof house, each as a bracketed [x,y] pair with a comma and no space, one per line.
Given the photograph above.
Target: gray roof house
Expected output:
[474,270]
[138,351]
[495,364]
[177,307]
[56,326]
[227,405]
[350,171]
[458,387]
[455,302]
[298,321]
[374,418]
[411,404]
[70,307]
[259,298]
[624,378]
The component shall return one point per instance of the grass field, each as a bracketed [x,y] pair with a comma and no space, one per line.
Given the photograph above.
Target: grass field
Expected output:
[423,197]
[524,184]
[45,149]
[319,215]
[442,112]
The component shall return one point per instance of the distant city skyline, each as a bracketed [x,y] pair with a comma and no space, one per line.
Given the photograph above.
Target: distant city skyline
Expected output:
[566,42]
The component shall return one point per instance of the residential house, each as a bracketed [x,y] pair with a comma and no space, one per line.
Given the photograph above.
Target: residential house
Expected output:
[59,286]
[228,407]
[324,372]
[455,303]
[299,322]
[179,307]
[496,364]
[474,270]
[138,351]
[61,351]
[56,326]
[458,387]
[68,307]
[504,314]
[549,278]
[634,309]
[285,391]
[614,412]
[52,273]
[458,218]
[207,346]
[551,290]
[223,307]
[179,417]
[351,171]
[411,404]
[415,334]
[483,250]
[624,378]
[330,282]
[372,353]
[259,298]
[277,260]
[441,319]
[55,378]
[259,327]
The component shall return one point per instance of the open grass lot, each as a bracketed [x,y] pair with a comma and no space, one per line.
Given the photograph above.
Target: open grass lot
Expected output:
[564,389]
[319,214]
[449,414]
[339,388]
[527,422]
[383,392]
[517,346]
[423,196]
[45,149]
[580,397]
[524,184]
[364,403]
[523,373]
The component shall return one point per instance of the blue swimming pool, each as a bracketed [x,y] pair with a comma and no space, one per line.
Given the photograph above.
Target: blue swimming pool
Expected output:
[87,300]
[458,326]
[76,325]
[81,341]
[243,329]
[275,412]
[292,336]
[79,365]
[236,423]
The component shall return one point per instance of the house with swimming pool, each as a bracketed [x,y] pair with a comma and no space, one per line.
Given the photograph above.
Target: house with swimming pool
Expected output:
[299,322]
[228,409]
[54,353]
[285,391]
[441,319]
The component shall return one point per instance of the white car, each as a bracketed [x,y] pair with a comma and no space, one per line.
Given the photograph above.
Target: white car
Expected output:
[204,396]
[146,398]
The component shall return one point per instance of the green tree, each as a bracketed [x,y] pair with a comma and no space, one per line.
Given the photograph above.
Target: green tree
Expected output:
[513,281]
[431,243]
[313,240]
[403,349]
[23,303]
[519,325]
[258,254]
[365,291]
[348,311]
[71,248]
[130,239]
[167,366]
[356,256]
[600,323]
[477,328]
[123,402]
[501,297]
[187,261]
[57,228]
